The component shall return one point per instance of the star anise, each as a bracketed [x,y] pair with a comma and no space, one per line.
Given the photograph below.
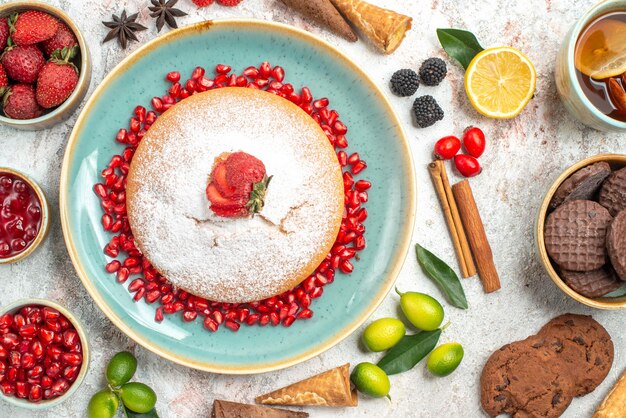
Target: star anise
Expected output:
[165,12]
[123,28]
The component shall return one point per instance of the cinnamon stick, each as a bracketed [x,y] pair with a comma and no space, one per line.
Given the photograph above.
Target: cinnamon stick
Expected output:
[439,176]
[475,231]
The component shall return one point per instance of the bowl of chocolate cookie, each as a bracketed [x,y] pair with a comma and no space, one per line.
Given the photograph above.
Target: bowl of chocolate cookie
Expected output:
[581,231]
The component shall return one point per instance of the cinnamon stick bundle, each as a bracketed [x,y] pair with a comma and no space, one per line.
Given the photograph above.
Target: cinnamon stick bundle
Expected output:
[450,210]
[476,235]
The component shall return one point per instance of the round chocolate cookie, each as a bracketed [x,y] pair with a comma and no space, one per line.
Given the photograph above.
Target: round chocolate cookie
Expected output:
[575,235]
[592,284]
[582,185]
[613,192]
[616,244]
[583,347]
[525,378]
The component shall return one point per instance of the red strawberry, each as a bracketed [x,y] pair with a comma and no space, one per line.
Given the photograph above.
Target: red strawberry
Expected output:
[238,185]
[32,27]
[4,81]
[20,103]
[64,38]
[57,80]
[4,33]
[202,3]
[229,3]
[23,63]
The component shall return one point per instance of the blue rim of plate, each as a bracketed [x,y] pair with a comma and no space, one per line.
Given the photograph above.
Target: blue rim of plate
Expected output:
[122,319]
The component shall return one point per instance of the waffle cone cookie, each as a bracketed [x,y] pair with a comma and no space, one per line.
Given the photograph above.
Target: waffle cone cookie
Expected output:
[613,192]
[616,244]
[575,235]
[330,388]
[385,28]
[226,409]
[614,405]
[324,13]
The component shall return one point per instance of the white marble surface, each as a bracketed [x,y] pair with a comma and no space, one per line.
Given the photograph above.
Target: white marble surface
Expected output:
[524,156]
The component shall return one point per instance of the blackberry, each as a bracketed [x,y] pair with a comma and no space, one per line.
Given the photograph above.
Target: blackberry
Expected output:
[404,82]
[433,71]
[427,111]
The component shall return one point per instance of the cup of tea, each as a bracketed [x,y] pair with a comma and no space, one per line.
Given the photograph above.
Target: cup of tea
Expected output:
[591,67]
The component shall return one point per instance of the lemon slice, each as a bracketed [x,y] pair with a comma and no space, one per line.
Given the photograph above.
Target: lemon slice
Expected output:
[601,49]
[500,81]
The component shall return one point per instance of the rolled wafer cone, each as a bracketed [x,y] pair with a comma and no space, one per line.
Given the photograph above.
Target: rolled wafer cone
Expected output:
[226,409]
[614,405]
[331,388]
[324,13]
[385,28]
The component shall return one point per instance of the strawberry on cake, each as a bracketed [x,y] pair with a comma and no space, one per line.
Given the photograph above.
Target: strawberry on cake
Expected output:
[235,195]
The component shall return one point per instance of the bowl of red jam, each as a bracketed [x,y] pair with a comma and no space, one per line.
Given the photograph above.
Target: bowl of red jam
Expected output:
[44,355]
[23,215]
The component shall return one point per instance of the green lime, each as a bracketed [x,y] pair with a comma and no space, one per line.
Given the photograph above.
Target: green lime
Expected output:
[421,310]
[121,368]
[370,380]
[383,334]
[138,397]
[102,405]
[445,359]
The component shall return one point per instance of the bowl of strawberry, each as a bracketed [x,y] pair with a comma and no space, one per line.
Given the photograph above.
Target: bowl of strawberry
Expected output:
[44,355]
[45,67]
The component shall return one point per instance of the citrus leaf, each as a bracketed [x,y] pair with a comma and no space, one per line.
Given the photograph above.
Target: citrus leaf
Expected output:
[443,276]
[459,44]
[132,414]
[409,351]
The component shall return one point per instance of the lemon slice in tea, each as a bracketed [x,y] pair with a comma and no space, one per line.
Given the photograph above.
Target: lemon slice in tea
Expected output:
[601,49]
[500,81]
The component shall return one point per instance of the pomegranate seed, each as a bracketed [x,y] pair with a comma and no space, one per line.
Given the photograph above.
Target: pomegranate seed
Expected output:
[354,158]
[35,394]
[234,326]
[173,76]
[71,372]
[21,389]
[341,141]
[358,167]
[305,314]
[251,72]
[60,386]
[265,69]
[70,338]
[222,69]
[9,341]
[320,103]
[278,73]
[158,315]
[190,316]
[53,370]
[28,361]
[339,128]
[362,185]
[305,94]
[72,359]
[210,324]
[175,90]
[197,73]
[342,157]
[7,388]
[317,292]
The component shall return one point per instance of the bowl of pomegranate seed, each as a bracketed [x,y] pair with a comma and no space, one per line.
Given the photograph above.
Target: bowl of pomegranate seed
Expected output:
[44,354]
[45,66]
[24,218]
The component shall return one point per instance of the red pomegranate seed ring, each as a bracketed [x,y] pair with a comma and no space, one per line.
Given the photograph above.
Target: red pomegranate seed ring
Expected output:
[150,286]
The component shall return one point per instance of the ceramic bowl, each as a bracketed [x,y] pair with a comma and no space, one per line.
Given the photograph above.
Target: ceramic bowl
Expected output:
[45,217]
[567,83]
[46,404]
[614,300]
[83,61]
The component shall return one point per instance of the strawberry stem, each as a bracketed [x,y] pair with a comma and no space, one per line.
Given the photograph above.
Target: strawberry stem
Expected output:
[257,195]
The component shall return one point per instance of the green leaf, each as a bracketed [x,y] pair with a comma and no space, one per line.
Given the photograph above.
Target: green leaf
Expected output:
[131,414]
[459,44]
[409,351]
[443,276]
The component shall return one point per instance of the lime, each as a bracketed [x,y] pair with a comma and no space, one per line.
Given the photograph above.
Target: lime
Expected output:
[138,397]
[421,310]
[370,380]
[383,334]
[102,405]
[121,368]
[445,359]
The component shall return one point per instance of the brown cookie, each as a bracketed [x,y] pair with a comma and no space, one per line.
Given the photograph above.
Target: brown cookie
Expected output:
[583,347]
[524,378]
[613,192]
[616,244]
[592,284]
[575,235]
[582,185]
